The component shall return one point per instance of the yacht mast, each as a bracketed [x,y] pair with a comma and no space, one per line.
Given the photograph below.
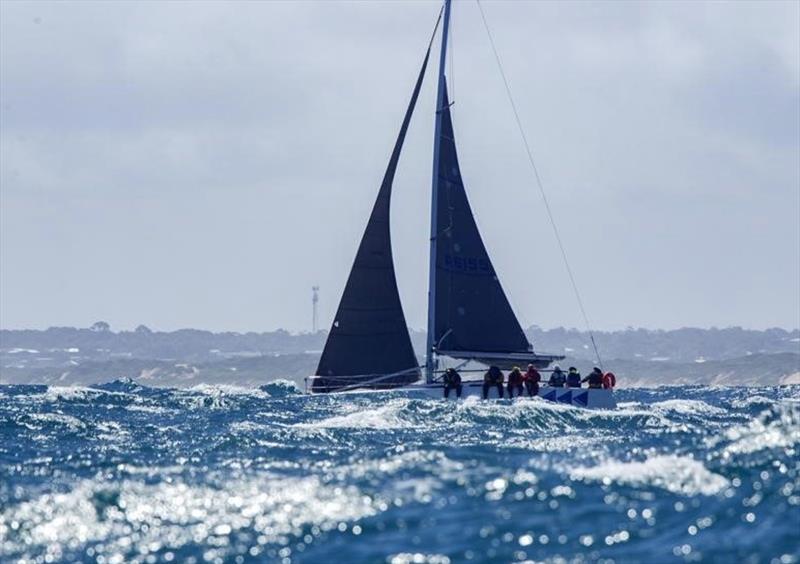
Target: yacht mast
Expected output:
[429,356]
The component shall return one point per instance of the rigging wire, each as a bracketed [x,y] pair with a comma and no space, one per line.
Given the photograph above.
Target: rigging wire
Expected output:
[541,186]
[451,40]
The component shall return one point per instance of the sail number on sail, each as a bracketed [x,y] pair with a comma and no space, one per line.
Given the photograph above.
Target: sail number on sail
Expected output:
[468,264]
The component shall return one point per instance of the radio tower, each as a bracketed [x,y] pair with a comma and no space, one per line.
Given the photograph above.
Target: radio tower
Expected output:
[314,300]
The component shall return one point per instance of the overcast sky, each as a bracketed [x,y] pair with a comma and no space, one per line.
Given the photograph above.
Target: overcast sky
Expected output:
[204,164]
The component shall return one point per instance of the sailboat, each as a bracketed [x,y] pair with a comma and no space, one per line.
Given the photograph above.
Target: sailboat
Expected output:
[470,319]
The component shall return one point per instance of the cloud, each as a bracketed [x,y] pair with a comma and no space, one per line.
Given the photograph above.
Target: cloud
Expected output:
[206,163]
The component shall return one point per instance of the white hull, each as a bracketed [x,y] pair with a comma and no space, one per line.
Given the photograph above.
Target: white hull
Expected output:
[580,397]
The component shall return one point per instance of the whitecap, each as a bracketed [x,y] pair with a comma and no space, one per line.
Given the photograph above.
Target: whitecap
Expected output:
[246,427]
[111,431]
[688,407]
[73,423]
[56,394]
[217,396]
[750,401]
[146,408]
[227,390]
[677,474]
[384,417]
[629,404]
[523,412]
[280,387]
[560,443]
[417,558]
[775,428]
[60,393]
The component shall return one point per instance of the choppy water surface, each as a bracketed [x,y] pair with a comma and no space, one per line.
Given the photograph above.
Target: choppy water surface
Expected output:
[123,473]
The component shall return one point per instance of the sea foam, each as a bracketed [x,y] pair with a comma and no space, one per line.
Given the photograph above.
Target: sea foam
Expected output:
[677,474]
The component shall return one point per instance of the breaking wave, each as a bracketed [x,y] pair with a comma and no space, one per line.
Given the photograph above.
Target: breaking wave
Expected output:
[677,474]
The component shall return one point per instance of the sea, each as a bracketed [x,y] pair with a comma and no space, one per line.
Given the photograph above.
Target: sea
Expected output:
[120,472]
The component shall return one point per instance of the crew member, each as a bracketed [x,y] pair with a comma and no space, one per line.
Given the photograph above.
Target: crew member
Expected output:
[595,379]
[452,381]
[532,379]
[556,378]
[515,382]
[609,381]
[573,378]
[493,377]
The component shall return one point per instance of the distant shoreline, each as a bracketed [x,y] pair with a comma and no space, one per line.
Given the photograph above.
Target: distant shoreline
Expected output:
[642,358]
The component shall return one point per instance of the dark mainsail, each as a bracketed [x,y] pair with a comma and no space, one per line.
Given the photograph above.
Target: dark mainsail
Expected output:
[369,341]
[472,313]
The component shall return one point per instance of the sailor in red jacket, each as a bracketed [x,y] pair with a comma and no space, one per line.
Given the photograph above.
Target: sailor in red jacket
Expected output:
[515,380]
[609,380]
[531,378]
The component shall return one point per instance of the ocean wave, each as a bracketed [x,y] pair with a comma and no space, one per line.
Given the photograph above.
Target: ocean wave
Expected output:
[566,443]
[405,413]
[51,422]
[775,428]
[431,462]
[227,390]
[55,394]
[155,474]
[111,431]
[126,385]
[280,388]
[677,474]
[417,558]
[384,417]
[752,401]
[246,427]
[688,407]
[217,396]
[149,408]
[81,395]
[136,518]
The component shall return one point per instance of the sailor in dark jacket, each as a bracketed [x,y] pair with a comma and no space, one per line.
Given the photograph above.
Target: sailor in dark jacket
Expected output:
[595,379]
[573,378]
[452,381]
[557,378]
[493,377]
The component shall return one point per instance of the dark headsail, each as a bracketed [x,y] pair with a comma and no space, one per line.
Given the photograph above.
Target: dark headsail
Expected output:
[369,338]
[472,311]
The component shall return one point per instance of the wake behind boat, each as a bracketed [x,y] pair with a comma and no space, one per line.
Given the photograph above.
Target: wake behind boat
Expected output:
[470,320]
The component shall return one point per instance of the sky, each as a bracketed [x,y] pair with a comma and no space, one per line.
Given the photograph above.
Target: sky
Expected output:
[202,164]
